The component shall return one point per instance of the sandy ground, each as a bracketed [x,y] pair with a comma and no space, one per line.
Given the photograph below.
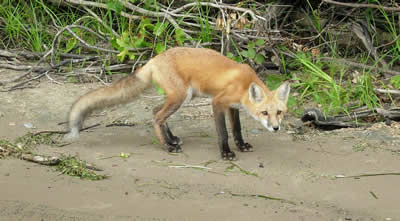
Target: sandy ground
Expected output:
[297,168]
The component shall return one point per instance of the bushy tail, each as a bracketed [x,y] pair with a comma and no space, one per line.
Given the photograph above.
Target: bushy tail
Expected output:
[124,91]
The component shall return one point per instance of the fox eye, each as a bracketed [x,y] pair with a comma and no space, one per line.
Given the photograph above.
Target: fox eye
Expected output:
[265,112]
[278,112]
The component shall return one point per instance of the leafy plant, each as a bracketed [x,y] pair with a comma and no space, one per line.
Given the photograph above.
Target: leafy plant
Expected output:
[250,53]
[146,35]
[395,81]
[73,166]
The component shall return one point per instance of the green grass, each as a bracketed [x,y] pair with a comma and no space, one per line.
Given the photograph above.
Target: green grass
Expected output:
[206,32]
[328,85]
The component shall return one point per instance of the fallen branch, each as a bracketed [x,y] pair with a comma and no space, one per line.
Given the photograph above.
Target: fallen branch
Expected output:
[7,54]
[84,43]
[19,67]
[220,5]
[368,175]
[360,5]
[26,73]
[134,8]
[42,72]
[43,160]
[263,197]
[198,104]
[387,91]
[359,65]
[351,119]
[121,125]
[190,166]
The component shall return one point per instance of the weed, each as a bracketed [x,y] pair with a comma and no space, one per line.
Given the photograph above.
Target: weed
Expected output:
[360,147]
[30,140]
[246,172]
[395,81]
[73,166]
[9,149]
[206,31]
[248,55]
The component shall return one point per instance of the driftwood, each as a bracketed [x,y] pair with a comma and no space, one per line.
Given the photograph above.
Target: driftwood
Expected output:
[352,119]
[51,160]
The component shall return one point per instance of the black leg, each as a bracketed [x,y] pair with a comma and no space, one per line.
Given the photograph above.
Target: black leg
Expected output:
[219,117]
[173,140]
[237,131]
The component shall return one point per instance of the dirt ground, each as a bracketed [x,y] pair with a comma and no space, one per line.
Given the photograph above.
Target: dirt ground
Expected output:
[300,169]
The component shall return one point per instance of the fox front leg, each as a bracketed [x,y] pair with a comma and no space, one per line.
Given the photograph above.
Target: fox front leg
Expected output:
[172,139]
[237,131]
[219,117]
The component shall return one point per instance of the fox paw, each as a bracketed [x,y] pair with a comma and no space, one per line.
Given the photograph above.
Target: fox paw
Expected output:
[228,155]
[73,135]
[245,147]
[174,148]
[176,140]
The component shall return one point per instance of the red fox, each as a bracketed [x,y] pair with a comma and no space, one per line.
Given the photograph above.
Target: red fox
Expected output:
[184,73]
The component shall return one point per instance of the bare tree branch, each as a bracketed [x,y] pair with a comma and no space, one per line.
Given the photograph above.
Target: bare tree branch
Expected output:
[360,5]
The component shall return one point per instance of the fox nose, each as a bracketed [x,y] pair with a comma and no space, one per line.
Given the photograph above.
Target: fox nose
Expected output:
[276,129]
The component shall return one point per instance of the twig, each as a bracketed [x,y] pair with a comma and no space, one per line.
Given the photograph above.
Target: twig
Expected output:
[354,5]
[4,53]
[26,73]
[263,197]
[77,73]
[43,160]
[63,132]
[373,194]
[155,14]
[19,67]
[387,91]
[51,79]
[368,175]
[220,5]
[85,44]
[190,166]
[102,5]
[137,60]
[121,125]
[358,65]
[45,71]
[101,21]
[26,81]
[241,169]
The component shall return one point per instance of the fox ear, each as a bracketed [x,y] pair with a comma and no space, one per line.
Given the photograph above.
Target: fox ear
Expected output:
[283,92]
[256,93]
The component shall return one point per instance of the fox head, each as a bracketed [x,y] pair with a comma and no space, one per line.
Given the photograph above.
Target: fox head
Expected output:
[268,107]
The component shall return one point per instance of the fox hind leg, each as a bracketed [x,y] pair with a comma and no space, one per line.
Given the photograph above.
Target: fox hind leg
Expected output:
[167,133]
[163,133]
